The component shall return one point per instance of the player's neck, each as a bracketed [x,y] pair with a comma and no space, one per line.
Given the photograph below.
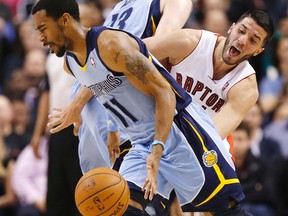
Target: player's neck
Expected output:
[219,66]
[79,45]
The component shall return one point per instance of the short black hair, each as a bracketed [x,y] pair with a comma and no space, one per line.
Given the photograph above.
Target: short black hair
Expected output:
[263,20]
[56,8]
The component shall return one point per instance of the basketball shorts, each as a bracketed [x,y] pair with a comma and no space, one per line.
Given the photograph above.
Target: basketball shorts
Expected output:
[195,163]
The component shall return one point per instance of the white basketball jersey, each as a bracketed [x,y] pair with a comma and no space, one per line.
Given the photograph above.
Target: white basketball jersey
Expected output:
[195,75]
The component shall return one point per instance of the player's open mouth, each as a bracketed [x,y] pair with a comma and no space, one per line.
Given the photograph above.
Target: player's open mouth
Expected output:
[234,51]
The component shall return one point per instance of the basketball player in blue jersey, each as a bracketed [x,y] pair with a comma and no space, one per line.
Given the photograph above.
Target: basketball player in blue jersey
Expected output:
[143,18]
[174,142]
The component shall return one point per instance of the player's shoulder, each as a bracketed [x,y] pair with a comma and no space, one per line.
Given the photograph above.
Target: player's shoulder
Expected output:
[187,36]
[247,87]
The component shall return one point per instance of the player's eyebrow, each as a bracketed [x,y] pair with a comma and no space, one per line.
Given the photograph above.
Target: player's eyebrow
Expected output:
[39,27]
[255,35]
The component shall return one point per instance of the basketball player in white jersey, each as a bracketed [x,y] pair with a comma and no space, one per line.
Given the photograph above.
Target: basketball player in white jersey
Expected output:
[214,69]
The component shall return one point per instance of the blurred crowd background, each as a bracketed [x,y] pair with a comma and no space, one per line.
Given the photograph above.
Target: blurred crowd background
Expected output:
[260,142]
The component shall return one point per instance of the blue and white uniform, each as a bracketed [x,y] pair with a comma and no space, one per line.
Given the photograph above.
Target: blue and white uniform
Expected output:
[91,130]
[193,152]
[141,18]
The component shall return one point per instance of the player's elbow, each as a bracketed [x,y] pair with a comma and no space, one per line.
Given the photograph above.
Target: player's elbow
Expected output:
[170,97]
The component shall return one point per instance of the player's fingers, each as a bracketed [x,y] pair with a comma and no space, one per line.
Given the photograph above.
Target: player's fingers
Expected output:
[112,156]
[144,189]
[54,123]
[152,192]
[77,126]
[54,116]
[76,130]
[57,109]
[58,128]
[117,151]
[147,190]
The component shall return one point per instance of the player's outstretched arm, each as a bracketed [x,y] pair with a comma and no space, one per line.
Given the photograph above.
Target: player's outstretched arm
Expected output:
[173,19]
[240,100]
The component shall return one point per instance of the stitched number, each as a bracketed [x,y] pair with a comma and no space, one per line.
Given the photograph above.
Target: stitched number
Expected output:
[121,19]
[122,113]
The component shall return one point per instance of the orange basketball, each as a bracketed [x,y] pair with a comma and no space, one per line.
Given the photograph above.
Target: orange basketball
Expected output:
[102,191]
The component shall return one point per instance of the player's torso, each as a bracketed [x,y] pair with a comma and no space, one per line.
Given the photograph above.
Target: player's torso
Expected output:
[139,17]
[124,102]
[127,105]
[195,75]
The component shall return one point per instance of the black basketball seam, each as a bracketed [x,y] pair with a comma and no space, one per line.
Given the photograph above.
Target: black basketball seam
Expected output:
[102,188]
[118,198]
[121,179]
[81,180]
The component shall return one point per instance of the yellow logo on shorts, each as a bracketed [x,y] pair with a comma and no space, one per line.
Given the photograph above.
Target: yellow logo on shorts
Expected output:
[210,158]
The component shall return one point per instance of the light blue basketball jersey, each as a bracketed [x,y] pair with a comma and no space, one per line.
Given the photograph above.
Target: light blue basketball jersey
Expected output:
[125,103]
[92,134]
[139,17]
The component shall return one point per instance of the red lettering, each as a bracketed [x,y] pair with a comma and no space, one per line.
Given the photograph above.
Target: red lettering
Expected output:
[218,105]
[188,84]
[212,99]
[179,78]
[198,87]
[208,90]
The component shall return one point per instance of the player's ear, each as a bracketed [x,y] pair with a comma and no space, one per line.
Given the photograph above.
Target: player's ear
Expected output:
[258,51]
[65,19]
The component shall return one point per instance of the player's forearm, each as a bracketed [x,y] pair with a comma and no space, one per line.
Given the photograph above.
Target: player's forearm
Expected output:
[81,99]
[172,19]
[164,114]
[226,124]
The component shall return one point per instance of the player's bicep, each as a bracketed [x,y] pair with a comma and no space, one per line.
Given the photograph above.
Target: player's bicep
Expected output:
[174,46]
[243,95]
[240,99]
[126,58]
[227,120]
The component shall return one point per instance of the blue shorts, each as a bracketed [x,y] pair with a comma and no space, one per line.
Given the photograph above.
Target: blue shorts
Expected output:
[196,164]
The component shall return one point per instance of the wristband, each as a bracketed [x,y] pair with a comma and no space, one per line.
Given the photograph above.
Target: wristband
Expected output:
[158,142]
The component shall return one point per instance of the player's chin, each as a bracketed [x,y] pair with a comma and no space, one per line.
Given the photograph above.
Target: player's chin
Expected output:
[59,53]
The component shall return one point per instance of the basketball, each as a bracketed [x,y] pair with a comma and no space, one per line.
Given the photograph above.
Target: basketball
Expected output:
[102,191]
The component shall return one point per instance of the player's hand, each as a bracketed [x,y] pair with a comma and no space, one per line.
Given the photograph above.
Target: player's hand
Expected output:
[113,143]
[153,162]
[35,143]
[63,118]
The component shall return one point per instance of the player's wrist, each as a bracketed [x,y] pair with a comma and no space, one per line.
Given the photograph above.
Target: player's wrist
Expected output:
[158,143]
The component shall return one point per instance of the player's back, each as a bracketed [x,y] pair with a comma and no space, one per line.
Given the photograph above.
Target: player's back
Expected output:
[139,17]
